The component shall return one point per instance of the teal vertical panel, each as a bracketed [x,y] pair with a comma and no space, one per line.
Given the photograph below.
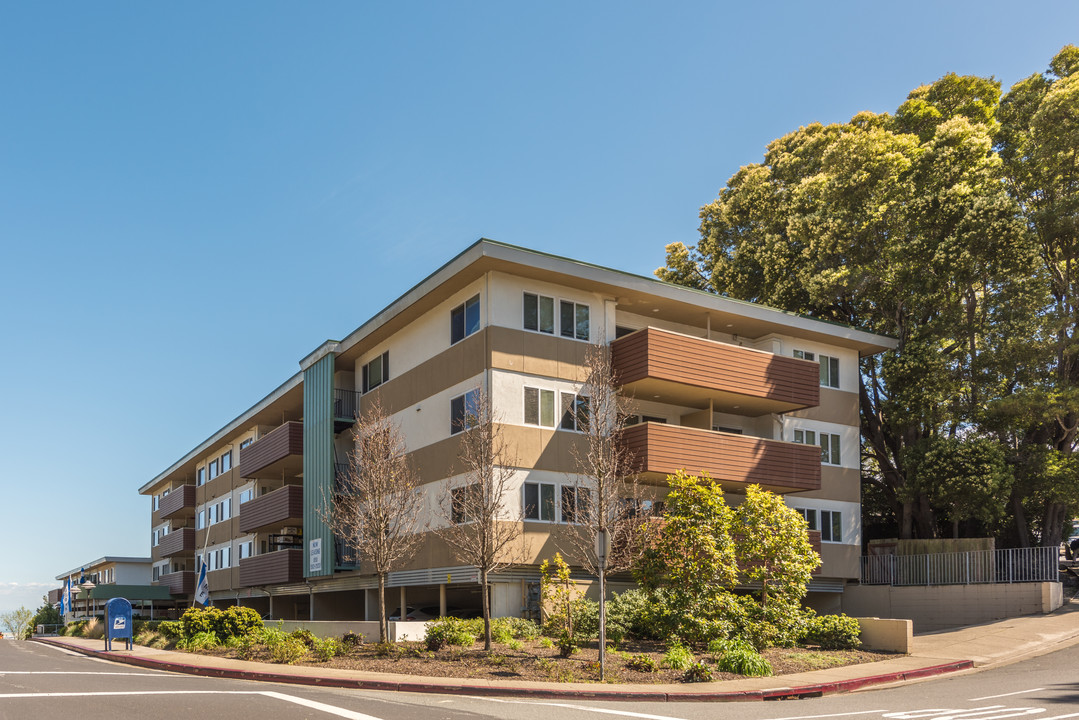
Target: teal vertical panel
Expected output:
[318,467]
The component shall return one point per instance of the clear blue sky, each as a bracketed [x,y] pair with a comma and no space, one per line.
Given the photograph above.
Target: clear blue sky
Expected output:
[193,196]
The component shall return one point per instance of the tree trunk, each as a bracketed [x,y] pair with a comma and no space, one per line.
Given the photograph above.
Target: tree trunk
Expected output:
[383,627]
[486,610]
[1022,530]
[1053,524]
[955,529]
[906,524]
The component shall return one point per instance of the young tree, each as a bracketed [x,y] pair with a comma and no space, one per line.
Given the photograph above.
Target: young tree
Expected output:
[378,508]
[17,622]
[772,548]
[481,529]
[605,499]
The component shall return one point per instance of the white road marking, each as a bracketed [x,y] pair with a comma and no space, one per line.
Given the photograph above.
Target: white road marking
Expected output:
[989,712]
[331,709]
[811,717]
[323,707]
[1018,692]
[604,711]
[80,672]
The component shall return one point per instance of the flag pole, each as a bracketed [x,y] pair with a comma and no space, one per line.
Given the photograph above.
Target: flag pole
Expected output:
[199,566]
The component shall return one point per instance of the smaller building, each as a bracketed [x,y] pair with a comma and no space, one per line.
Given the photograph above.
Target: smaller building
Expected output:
[98,581]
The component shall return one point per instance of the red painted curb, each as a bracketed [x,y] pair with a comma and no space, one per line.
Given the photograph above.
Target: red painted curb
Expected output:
[553,693]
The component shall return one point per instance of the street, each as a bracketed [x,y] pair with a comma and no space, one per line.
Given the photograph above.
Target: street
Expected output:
[39,682]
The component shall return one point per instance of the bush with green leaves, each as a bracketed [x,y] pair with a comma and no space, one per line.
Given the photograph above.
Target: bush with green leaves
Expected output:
[697,672]
[305,636]
[351,640]
[288,651]
[326,649]
[567,644]
[643,663]
[199,620]
[739,657]
[678,657]
[631,613]
[451,631]
[171,629]
[832,632]
[237,621]
[199,641]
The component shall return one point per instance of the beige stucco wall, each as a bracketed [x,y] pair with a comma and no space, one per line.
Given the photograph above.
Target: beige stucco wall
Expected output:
[947,606]
[886,634]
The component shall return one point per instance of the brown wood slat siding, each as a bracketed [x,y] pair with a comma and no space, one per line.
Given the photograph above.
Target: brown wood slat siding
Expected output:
[730,458]
[177,542]
[814,541]
[277,444]
[276,568]
[179,583]
[180,499]
[653,353]
[278,506]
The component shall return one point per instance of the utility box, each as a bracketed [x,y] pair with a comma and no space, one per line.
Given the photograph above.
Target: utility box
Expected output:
[118,622]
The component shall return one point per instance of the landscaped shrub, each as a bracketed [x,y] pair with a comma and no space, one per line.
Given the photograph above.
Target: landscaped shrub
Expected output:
[643,663]
[351,640]
[832,632]
[567,644]
[739,657]
[326,649]
[238,621]
[171,629]
[697,672]
[199,641]
[451,631]
[519,628]
[288,650]
[305,636]
[630,613]
[678,657]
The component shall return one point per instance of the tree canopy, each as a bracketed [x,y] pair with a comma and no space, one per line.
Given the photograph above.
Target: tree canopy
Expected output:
[951,225]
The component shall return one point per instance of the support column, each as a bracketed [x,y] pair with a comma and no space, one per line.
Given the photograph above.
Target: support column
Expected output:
[403,606]
[442,600]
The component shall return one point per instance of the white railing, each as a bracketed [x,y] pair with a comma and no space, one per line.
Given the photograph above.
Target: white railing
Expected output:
[1014,565]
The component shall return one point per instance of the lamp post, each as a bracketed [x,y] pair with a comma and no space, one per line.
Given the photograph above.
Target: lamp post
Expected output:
[602,549]
[88,586]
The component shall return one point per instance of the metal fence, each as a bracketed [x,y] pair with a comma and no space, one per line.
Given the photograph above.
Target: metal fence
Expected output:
[1014,565]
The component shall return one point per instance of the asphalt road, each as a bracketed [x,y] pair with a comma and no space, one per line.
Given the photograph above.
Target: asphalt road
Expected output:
[39,682]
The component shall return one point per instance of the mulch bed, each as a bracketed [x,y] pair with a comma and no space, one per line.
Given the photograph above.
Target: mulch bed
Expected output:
[537,663]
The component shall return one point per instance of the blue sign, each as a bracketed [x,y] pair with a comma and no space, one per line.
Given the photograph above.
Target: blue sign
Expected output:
[118,622]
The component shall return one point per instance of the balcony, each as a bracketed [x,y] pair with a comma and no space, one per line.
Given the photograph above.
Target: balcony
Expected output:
[694,372]
[276,454]
[273,510]
[180,503]
[346,408]
[179,583]
[733,460]
[177,542]
[276,568]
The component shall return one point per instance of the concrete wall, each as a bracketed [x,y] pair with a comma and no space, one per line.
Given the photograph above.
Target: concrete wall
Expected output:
[398,631]
[886,634]
[946,606]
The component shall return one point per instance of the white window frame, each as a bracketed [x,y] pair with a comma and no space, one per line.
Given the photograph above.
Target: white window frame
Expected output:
[556,495]
[383,360]
[541,393]
[462,425]
[539,314]
[580,406]
[829,521]
[464,308]
[574,331]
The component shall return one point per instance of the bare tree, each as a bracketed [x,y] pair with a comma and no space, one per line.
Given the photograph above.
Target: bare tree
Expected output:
[480,529]
[606,504]
[377,508]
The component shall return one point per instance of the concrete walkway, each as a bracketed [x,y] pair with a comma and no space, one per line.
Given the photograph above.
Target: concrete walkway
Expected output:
[936,653]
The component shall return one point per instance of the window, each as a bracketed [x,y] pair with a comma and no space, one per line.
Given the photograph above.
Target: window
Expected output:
[220,511]
[200,476]
[376,372]
[213,469]
[157,502]
[245,443]
[464,319]
[246,495]
[539,313]
[803,355]
[810,517]
[829,371]
[226,461]
[574,504]
[573,317]
[464,411]
[200,521]
[539,501]
[157,573]
[574,412]
[829,444]
[246,549]
[539,407]
[831,529]
[462,499]
[731,430]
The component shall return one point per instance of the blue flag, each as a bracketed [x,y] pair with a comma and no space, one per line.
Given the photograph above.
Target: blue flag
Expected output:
[202,589]
[63,599]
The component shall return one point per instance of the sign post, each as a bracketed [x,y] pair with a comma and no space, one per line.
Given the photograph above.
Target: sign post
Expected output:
[118,622]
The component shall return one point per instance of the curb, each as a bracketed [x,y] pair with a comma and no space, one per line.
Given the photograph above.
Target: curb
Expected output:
[785,693]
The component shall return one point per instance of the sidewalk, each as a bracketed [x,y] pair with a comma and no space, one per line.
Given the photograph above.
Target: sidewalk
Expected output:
[990,644]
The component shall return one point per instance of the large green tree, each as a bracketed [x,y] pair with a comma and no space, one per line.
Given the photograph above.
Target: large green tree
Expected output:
[901,224]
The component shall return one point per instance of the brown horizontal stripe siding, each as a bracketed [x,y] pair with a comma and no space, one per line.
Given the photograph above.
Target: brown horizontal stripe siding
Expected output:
[276,445]
[725,457]
[276,568]
[181,501]
[283,506]
[179,583]
[654,353]
[177,542]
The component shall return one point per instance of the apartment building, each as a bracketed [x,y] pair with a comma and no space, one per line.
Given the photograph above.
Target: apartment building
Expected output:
[745,393]
[95,582]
